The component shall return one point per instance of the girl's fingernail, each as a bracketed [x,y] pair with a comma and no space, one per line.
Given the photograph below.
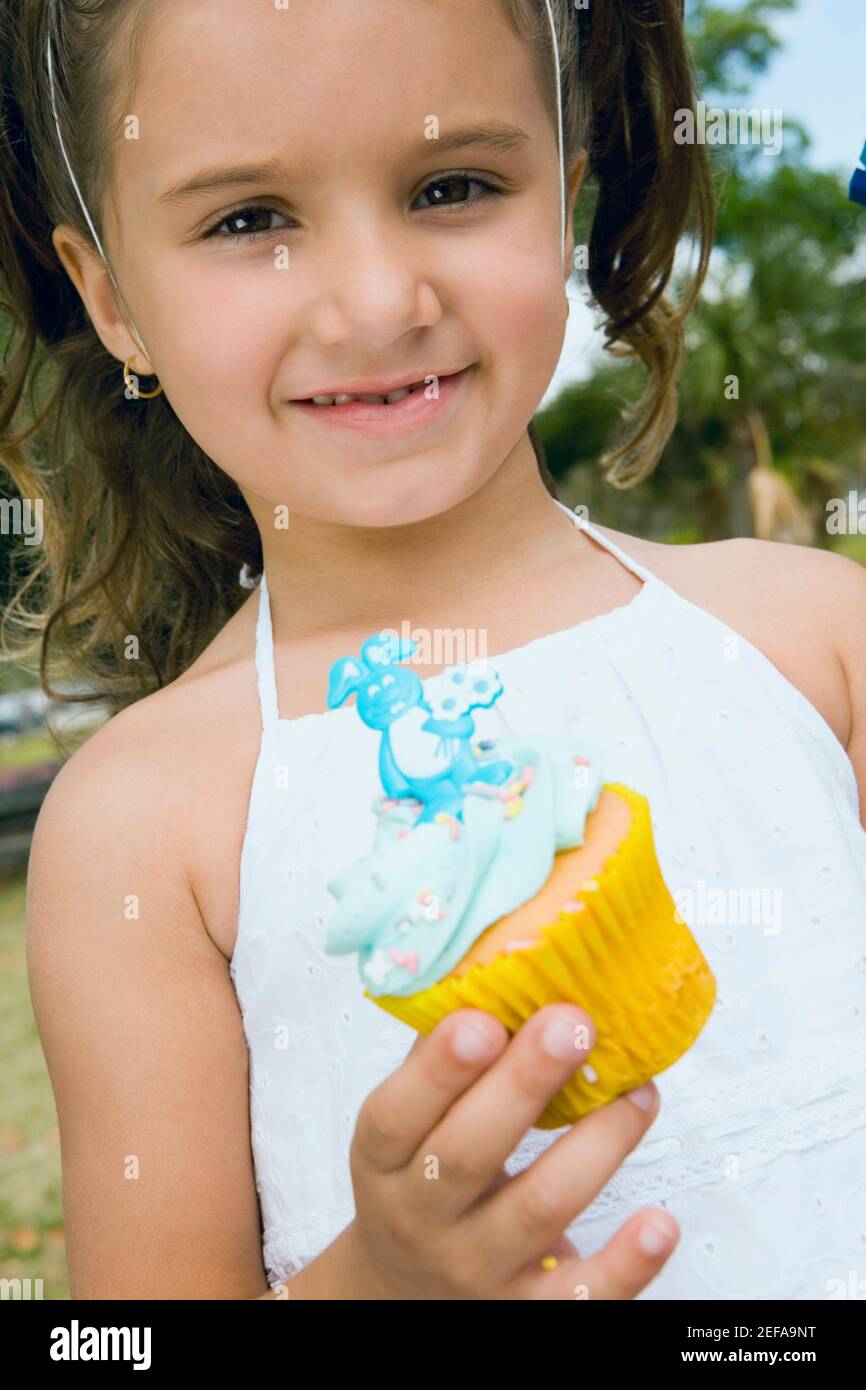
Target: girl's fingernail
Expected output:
[644,1097]
[656,1235]
[472,1041]
[564,1036]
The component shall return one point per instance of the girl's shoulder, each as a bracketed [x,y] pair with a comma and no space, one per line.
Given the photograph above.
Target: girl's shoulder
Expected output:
[171,775]
[799,605]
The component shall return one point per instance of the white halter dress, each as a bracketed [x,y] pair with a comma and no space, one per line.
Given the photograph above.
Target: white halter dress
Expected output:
[759,1148]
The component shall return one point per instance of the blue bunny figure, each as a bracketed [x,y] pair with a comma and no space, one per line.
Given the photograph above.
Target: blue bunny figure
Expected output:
[391,700]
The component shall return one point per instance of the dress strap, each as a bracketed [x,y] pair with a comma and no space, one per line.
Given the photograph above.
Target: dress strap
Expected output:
[265,668]
[646,575]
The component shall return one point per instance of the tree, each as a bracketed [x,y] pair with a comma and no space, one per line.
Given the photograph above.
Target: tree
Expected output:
[775,344]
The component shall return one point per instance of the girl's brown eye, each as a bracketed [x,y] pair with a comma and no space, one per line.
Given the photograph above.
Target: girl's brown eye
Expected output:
[460,182]
[248,212]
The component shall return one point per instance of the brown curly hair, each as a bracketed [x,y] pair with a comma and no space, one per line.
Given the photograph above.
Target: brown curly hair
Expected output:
[143,534]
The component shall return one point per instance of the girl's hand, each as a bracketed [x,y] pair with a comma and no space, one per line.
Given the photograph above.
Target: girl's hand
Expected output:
[437,1216]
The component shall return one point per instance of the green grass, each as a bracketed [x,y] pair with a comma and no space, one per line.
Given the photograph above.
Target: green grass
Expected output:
[31,1209]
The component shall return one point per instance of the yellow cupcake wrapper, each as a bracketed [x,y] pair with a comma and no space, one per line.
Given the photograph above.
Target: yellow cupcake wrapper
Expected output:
[625,958]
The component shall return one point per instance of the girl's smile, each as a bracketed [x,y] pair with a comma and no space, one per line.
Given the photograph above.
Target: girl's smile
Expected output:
[436,401]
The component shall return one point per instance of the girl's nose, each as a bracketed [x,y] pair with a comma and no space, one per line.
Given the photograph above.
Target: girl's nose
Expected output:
[370,286]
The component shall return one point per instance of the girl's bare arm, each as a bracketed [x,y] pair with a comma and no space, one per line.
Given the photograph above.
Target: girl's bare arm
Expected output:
[143,1038]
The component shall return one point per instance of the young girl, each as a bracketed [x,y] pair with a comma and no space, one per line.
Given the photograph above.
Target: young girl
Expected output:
[266,206]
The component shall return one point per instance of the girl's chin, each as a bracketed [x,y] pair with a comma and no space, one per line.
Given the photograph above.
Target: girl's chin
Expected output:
[424,503]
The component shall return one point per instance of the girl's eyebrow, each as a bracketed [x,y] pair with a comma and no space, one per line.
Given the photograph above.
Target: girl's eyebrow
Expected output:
[499,136]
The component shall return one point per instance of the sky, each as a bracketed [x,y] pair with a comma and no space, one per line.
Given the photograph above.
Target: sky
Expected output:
[819,77]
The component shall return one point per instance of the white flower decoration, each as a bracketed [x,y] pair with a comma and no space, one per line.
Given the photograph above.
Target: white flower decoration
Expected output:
[460,688]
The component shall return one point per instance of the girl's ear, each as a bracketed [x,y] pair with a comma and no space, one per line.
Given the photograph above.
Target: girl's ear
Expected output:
[86,269]
[576,172]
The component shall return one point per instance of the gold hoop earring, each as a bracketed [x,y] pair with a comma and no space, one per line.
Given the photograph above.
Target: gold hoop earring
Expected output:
[139,395]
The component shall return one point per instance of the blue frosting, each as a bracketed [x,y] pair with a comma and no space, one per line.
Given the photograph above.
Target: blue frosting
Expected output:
[415,905]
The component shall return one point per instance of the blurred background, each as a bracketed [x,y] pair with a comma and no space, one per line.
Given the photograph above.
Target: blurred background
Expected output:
[783,311]
[783,308]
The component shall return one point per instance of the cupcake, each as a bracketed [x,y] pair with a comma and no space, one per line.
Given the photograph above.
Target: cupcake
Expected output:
[506,875]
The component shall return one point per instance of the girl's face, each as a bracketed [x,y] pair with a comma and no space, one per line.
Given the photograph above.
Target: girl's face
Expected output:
[366,251]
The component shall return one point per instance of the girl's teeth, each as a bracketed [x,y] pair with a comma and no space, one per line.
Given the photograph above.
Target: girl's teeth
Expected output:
[390,399]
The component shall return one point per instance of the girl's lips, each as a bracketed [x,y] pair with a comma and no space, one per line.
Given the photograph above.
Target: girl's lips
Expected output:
[413,412]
